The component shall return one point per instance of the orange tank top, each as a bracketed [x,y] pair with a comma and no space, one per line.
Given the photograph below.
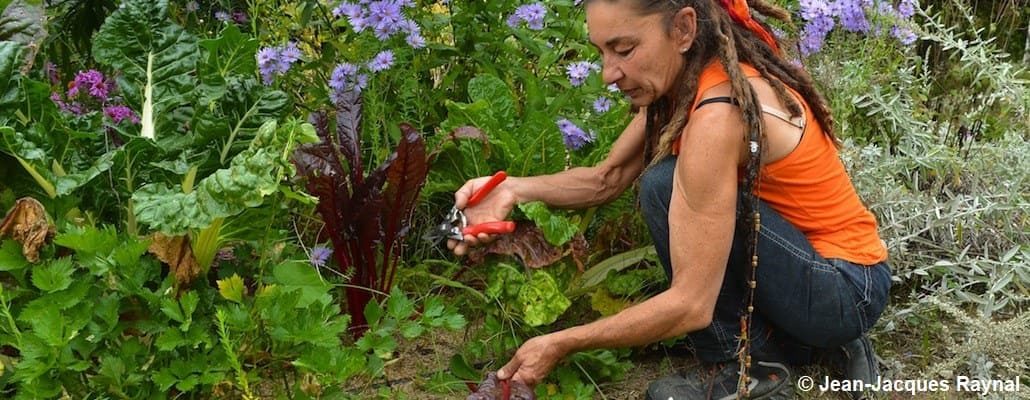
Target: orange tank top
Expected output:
[811,189]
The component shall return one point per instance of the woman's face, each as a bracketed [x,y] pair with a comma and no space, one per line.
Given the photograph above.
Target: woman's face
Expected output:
[639,54]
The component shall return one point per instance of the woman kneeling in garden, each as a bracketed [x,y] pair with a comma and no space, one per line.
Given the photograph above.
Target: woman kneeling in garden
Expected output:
[740,184]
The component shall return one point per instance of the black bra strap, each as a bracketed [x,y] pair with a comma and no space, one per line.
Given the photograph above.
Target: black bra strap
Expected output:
[722,99]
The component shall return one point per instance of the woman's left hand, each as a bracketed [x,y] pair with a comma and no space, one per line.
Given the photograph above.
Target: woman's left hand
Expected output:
[533,361]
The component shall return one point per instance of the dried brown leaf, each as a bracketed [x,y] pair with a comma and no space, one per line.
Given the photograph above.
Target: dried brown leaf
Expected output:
[27,224]
[177,253]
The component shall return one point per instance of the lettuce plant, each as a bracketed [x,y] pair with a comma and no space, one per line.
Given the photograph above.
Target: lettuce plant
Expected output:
[366,213]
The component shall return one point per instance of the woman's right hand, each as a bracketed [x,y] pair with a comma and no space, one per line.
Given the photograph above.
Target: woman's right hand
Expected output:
[494,207]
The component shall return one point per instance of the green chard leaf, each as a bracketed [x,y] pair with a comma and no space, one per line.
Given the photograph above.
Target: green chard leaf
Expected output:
[542,301]
[557,229]
[252,175]
[158,63]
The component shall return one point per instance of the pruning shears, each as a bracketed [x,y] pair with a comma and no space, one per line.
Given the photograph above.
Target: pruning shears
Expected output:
[455,225]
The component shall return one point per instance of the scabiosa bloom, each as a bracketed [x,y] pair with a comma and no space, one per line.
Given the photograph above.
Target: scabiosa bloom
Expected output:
[579,71]
[222,16]
[602,105]
[319,256]
[382,61]
[573,136]
[192,6]
[289,54]
[532,14]
[117,114]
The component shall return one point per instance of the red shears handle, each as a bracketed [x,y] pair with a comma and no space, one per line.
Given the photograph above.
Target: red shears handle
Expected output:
[490,227]
[478,196]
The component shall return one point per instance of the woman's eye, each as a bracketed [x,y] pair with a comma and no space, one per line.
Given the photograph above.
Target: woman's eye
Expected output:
[624,53]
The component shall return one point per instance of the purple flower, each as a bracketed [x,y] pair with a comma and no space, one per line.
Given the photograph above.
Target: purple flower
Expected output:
[814,33]
[92,82]
[274,61]
[222,16]
[192,6]
[319,255]
[852,16]
[579,71]
[349,10]
[340,77]
[573,136]
[117,114]
[290,54]
[602,105]
[532,14]
[812,9]
[907,8]
[385,17]
[904,35]
[382,61]
[268,61]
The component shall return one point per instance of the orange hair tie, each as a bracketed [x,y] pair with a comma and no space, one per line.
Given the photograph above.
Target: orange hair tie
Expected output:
[741,14]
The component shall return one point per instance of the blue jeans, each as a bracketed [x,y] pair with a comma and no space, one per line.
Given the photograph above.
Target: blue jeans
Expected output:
[803,300]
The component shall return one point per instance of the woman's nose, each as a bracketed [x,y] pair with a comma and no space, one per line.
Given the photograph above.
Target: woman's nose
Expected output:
[610,73]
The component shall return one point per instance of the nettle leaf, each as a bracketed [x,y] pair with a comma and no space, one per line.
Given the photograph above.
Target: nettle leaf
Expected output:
[252,175]
[157,57]
[399,306]
[55,276]
[557,229]
[542,302]
[11,258]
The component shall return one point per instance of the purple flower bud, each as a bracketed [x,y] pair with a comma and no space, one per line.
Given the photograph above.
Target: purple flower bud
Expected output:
[907,8]
[239,17]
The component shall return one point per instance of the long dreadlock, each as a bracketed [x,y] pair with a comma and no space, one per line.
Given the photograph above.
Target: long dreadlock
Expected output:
[719,36]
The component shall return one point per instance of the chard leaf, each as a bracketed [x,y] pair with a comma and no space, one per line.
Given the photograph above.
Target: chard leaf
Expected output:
[542,302]
[10,56]
[557,229]
[243,109]
[158,62]
[68,183]
[23,23]
[404,180]
[231,53]
[251,176]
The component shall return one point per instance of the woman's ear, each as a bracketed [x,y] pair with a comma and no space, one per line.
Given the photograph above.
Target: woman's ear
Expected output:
[684,28]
